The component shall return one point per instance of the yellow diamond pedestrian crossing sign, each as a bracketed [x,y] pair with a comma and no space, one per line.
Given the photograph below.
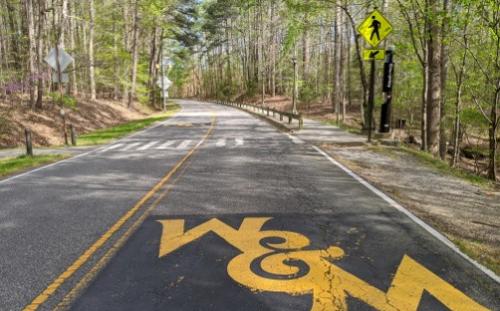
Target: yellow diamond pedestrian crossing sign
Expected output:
[375,28]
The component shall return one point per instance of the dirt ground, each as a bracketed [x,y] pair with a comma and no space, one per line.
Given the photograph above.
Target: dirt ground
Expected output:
[468,215]
[46,124]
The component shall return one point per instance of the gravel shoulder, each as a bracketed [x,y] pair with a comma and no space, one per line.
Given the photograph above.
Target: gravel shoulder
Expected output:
[467,214]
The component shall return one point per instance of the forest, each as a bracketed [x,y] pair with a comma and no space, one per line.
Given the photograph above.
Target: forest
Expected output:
[446,55]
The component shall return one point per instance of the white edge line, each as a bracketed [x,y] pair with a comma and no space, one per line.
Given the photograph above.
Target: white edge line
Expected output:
[417,220]
[3,181]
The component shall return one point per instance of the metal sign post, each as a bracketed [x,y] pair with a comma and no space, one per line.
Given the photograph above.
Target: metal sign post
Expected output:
[374,29]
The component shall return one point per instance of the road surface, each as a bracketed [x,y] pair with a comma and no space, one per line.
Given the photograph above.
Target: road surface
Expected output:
[215,209]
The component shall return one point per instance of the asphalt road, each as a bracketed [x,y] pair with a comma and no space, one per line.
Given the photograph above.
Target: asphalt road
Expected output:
[217,210]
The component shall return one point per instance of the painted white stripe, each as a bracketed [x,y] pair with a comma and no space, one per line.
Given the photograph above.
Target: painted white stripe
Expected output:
[295,139]
[239,142]
[116,146]
[147,146]
[130,146]
[184,144]
[221,142]
[414,218]
[166,145]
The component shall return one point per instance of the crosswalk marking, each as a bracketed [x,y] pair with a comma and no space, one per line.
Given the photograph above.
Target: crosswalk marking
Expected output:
[170,144]
[221,142]
[184,144]
[295,139]
[130,146]
[112,147]
[147,146]
[166,145]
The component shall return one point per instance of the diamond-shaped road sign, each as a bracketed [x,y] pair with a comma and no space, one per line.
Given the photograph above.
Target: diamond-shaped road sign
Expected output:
[64,59]
[375,28]
[164,82]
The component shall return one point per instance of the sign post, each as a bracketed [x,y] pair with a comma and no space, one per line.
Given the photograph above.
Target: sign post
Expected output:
[164,83]
[374,29]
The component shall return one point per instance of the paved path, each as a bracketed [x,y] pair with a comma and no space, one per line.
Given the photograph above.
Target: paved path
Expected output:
[216,210]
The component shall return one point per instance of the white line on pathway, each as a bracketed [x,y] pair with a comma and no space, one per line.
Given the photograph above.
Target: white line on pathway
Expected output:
[295,139]
[112,147]
[147,146]
[239,142]
[166,145]
[415,219]
[184,144]
[130,146]
[221,142]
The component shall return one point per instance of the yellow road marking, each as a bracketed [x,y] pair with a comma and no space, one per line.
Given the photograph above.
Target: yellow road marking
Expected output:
[66,302]
[77,264]
[329,284]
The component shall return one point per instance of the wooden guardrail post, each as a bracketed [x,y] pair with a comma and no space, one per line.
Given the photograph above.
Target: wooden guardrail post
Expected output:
[268,111]
[73,134]
[301,122]
[281,117]
[29,145]
[290,119]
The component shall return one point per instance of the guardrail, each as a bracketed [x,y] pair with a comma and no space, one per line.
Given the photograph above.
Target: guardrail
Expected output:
[266,111]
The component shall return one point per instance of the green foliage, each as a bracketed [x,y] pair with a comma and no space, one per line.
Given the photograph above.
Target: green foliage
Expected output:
[308,93]
[471,116]
[63,100]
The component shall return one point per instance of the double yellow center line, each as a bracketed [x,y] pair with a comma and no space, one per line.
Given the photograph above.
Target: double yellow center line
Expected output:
[78,263]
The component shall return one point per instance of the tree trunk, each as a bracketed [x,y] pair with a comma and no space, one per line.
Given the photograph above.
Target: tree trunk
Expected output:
[434,91]
[93,94]
[39,52]
[494,120]
[444,76]
[31,50]
[135,54]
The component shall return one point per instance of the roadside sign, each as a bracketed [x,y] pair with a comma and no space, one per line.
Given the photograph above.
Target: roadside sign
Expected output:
[166,61]
[64,59]
[375,28]
[373,54]
[64,78]
[164,82]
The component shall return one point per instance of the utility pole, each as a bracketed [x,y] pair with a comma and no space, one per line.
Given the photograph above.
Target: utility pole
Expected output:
[295,86]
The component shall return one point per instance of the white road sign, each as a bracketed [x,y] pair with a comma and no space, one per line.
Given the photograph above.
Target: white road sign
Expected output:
[164,82]
[64,78]
[64,59]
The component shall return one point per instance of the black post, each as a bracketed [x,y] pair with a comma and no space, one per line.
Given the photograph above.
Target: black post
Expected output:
[29,145]
[385,118]
[371,99]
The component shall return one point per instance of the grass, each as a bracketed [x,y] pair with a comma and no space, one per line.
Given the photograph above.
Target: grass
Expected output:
[482,253]
[13,165]
[444,167]
[106,135]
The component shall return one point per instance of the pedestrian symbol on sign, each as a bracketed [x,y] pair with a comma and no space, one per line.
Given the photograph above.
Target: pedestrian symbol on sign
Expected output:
[375,25]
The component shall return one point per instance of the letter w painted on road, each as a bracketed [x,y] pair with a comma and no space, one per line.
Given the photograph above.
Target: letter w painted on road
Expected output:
[328,283]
